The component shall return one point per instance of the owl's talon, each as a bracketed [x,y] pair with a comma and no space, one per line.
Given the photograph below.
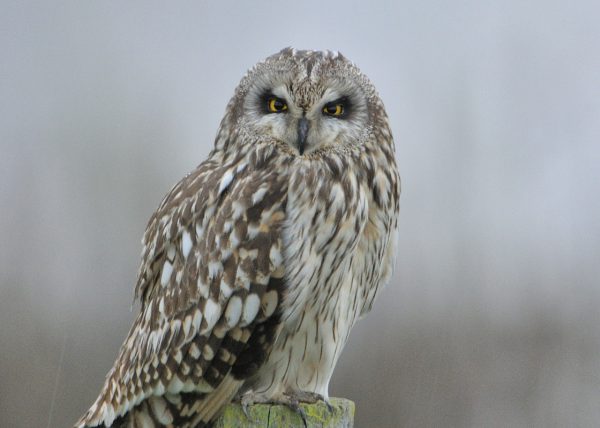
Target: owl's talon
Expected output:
[295,406]
[245,410]
[247,400]
[303,416]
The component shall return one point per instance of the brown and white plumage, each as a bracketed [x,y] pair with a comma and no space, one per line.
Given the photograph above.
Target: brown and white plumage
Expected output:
[258,263]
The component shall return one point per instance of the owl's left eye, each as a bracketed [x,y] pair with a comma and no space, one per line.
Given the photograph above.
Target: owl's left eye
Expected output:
[276,105]
[336,108]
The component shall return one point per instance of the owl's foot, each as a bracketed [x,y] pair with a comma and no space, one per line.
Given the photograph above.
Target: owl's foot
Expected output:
[290,400]
[311,398]
[251,398]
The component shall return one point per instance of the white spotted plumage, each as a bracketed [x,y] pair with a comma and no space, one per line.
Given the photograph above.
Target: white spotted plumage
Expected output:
[257,264]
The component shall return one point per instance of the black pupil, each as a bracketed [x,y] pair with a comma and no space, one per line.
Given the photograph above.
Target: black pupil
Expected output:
[332,108]
[278,104]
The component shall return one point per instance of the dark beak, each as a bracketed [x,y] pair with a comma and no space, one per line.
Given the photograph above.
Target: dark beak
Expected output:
[302,134]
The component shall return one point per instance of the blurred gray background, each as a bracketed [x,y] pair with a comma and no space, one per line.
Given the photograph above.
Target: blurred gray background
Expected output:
[492,318]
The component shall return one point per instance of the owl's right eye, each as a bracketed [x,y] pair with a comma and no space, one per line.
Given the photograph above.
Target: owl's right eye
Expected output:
[276,105]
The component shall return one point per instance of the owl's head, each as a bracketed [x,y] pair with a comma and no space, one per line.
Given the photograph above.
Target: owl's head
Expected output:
[311,101]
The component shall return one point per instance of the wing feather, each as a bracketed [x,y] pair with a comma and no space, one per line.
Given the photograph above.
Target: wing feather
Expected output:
[210,274]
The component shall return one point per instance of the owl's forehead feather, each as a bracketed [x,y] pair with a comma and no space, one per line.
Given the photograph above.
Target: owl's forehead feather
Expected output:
[303,71]
[308,64]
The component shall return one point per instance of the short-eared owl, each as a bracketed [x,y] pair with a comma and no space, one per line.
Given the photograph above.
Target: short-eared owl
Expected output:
[257,264]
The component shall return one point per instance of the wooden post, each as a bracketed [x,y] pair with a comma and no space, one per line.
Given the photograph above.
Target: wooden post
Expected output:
[318,415]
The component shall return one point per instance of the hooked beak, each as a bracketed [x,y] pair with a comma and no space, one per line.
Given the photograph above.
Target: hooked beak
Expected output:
[302,134]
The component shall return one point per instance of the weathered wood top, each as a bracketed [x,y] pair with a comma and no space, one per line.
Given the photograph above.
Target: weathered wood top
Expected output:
[318,415]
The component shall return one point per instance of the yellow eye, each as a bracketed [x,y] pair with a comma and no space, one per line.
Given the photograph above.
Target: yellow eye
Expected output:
[334,109]
[276,105]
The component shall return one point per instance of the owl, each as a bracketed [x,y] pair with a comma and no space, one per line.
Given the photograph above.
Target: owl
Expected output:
[257,264]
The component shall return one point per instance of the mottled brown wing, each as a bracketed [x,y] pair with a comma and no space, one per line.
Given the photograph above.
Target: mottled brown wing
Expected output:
[208,279]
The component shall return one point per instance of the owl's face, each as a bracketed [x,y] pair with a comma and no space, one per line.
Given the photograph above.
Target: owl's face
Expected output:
[311,101]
